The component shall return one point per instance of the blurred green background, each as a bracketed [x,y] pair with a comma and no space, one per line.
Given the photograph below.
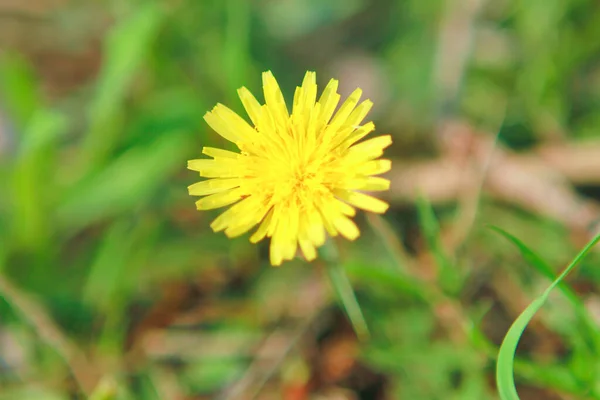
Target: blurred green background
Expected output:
[113,286]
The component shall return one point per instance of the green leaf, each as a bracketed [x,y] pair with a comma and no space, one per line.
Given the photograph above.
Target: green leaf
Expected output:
[124,52]
[44,128]
[505,380]
[31,185]
[18,88]
[124,184]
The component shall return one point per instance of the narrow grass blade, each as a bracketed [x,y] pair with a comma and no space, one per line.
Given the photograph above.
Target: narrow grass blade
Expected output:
[536,261]
[544,268]
[504,368]
[125,49]
[345,293]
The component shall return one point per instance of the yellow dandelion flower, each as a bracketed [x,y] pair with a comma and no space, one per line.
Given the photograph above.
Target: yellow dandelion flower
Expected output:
[297,176]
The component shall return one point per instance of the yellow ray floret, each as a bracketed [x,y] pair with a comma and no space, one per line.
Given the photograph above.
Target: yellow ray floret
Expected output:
[298,175]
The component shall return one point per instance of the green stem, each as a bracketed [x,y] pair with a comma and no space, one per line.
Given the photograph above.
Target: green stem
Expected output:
[343,289]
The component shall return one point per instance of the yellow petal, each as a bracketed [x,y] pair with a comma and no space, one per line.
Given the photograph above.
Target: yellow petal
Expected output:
[369,149]
[219,200]
[376,184]
[198,165]
[329,226]
[331,134]
[291,235]
[274,221]
[276,133]
[296,105]
[356,117]
[275,255]
[235,123]
[369,184]
[289,249]
[345,208]
[221,127]
[232,216]
[212,186]
[276,249]
[285,236]
[309,84]
[261,232]
[311,129]
[251,105]
[329,101]
[308,249]
[241,227]
[329,212]
[224,219]
[315,231]
[304,99]
[346,227]
[222,168]
[358,134]
[346,108]
[374,167]
[213,152]
[363,201]
[274,98]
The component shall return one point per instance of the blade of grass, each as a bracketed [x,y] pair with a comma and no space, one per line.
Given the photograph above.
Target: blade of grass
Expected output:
[30,183]
[18,88]
[544,268]
[345,293]
[124,184]
[505,379]
[343,289]
[125,50]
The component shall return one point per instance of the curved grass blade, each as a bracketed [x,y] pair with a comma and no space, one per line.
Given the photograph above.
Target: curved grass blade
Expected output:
[346,296]
[537,262]
[544,268]
[505,379]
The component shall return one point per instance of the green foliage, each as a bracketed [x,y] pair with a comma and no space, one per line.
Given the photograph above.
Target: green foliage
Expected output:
[504,369]
[449,277]
[104,260]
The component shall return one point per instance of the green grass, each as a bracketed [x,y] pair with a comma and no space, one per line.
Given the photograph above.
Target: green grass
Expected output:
[505,364]
[112,285]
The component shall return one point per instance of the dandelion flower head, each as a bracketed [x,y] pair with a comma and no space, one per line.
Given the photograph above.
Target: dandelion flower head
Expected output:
[297,175]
